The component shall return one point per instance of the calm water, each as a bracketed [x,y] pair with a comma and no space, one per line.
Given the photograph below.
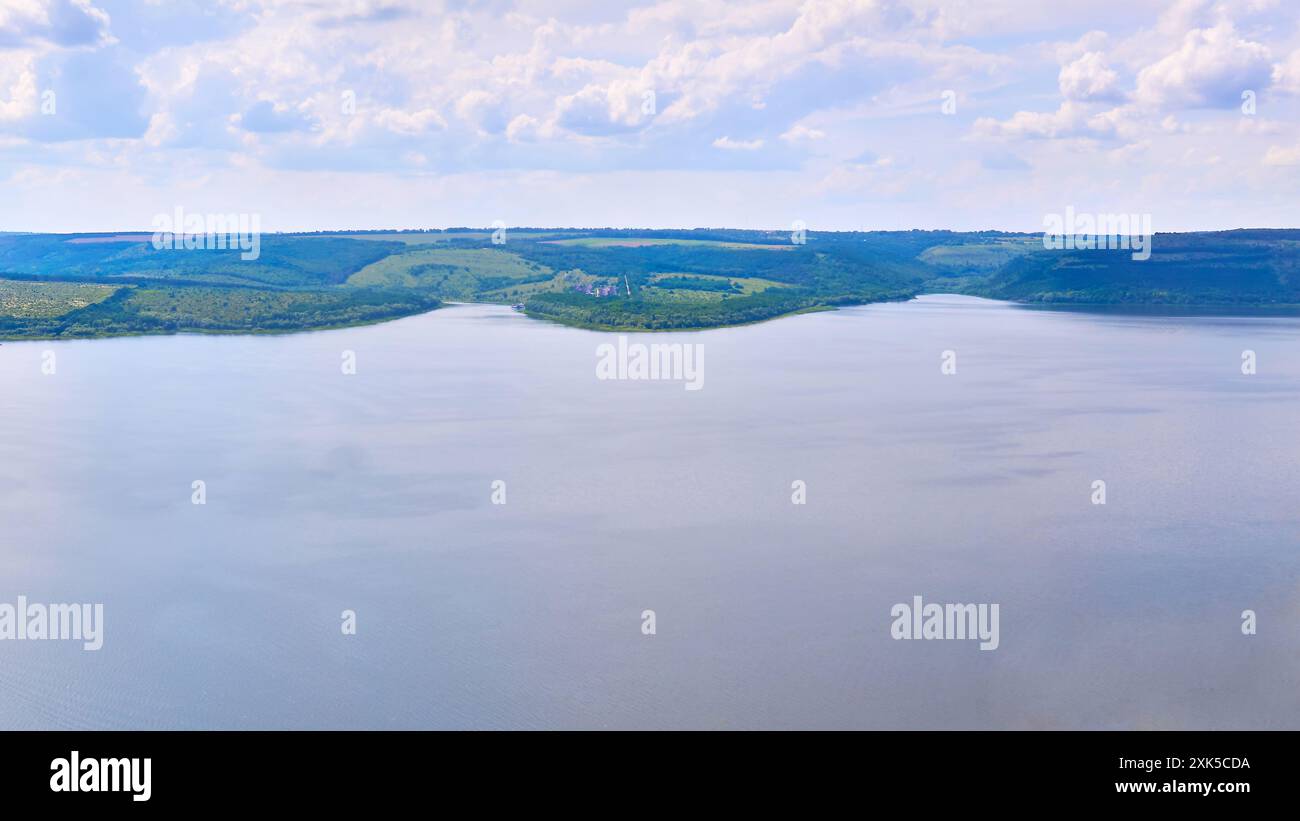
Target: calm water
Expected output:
[372,493]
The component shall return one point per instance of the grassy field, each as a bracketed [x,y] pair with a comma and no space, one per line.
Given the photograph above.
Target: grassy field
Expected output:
[978,258]
[706,288]
[745,285]
[453,273]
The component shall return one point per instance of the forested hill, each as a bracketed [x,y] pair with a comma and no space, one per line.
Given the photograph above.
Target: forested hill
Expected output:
[81,285]
[1227,268]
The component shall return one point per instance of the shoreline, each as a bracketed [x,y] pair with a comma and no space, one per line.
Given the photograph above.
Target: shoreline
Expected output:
[1222,310]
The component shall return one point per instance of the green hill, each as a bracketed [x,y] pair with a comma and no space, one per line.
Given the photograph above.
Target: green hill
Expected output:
[72,285]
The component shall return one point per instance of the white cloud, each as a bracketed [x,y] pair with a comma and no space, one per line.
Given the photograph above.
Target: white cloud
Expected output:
[1210,69]
[491,90]
[1282,155]
[18,93]
[599,109]
[57,22]
[1286,75]
[1092,41]
[1088,78]
[737,145]
[799,132]
[523,128]
[410,123]
[1206,67]
[1070,120]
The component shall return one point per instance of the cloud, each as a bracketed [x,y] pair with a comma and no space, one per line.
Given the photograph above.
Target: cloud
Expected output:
[522,128]
[364,12]
[1069,120]
[18,92]
[737,145]
[1092,41]
[1209,70]
[1206,67]
[1282,155]
[411,123]
[490,92]
[802,132]
[57,22]
[1085,81]
[1286,75]
[1088,78]
[482,110]
[620,106]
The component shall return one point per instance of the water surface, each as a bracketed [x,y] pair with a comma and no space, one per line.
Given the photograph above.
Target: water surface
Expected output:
[371,492]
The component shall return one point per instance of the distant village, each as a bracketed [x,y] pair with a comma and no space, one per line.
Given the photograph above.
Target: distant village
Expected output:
[596,290]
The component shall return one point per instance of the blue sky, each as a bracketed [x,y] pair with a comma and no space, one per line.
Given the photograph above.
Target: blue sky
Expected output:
[846,114]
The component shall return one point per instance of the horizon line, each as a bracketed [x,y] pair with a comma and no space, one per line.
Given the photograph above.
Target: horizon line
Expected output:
[490,229]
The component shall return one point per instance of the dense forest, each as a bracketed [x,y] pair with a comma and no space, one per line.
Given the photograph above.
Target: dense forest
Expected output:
[1252,268]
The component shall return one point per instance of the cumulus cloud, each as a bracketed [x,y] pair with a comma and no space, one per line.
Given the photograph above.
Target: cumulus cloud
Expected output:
[18,93]
[523,128]
[1286,75]
[667,71]
[58,22]
[760,90]
[1091,41]
[1085,82]
[1206,67]
[1088,78]
[1210,69]
[619,106]
[482,110]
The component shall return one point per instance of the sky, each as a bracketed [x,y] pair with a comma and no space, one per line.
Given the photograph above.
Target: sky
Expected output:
[842,114]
